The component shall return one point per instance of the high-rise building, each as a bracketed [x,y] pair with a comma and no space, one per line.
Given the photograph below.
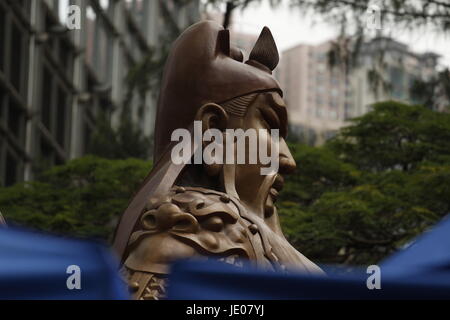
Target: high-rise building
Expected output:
[322,98]
[54,80]
[314,93]
[394,66]
[243,41]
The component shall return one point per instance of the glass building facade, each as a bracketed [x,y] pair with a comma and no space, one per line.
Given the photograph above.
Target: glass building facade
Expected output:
[54,80]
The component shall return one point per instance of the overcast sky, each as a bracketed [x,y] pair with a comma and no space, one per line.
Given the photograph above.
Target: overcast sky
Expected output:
[290,28]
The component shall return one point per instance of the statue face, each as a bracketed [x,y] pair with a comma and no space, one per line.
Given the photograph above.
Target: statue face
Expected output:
[257,191]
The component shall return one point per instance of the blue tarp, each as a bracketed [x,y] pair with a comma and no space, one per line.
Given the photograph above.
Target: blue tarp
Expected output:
[34,266]
[422,271]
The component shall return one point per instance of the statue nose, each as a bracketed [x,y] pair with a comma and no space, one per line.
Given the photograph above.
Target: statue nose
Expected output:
[287,162]
[287,165]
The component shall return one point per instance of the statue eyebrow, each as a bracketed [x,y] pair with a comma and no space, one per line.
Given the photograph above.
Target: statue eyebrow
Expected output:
[281,112]
[277,100]
[238,106]
[271,116]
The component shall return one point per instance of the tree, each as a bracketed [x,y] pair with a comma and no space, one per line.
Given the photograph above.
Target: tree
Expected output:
[126,141]
[83,197]
[319,171]
[433,93]
[232,5]
[394,136]
[379,183]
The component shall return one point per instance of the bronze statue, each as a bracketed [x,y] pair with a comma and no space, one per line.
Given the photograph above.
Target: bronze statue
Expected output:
[211,211]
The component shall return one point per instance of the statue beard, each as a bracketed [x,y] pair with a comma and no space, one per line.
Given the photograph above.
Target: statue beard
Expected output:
[266,196]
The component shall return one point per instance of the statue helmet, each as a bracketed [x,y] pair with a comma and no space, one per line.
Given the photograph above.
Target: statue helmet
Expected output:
[201,68]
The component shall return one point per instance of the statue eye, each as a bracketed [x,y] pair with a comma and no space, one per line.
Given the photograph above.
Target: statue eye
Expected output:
[270,117]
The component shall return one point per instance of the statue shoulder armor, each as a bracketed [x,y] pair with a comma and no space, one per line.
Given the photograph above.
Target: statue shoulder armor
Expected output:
[186,222]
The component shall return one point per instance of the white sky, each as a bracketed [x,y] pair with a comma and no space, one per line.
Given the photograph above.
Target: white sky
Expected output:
[290,28]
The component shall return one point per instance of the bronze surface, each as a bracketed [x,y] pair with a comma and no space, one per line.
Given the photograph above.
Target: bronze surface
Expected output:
[224,212]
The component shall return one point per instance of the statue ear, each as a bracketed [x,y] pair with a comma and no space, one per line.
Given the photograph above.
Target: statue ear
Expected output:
[213,116]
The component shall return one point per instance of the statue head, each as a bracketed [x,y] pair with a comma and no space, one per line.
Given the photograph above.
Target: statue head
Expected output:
[203,68]
[206,80]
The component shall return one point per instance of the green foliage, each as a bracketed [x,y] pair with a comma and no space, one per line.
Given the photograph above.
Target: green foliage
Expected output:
[429,92]
[382,181]
[394,136]
[81,198]
[318,170]
[127,141]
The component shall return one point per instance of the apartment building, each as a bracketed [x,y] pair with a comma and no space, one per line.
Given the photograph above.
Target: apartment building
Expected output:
[321,98]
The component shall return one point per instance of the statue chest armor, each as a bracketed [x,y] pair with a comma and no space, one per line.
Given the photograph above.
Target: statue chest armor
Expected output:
[206,224]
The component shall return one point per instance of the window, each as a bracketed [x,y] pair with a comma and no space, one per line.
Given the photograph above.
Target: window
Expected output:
[54,89]
[46,153]
[55,107]
[2,37]
[16,60]
[11,172]
[46,97]
[13,115]
[396,80]
[333,114]
[2,102]
[99,46]
[61,117]
[58,48]
[16,122]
